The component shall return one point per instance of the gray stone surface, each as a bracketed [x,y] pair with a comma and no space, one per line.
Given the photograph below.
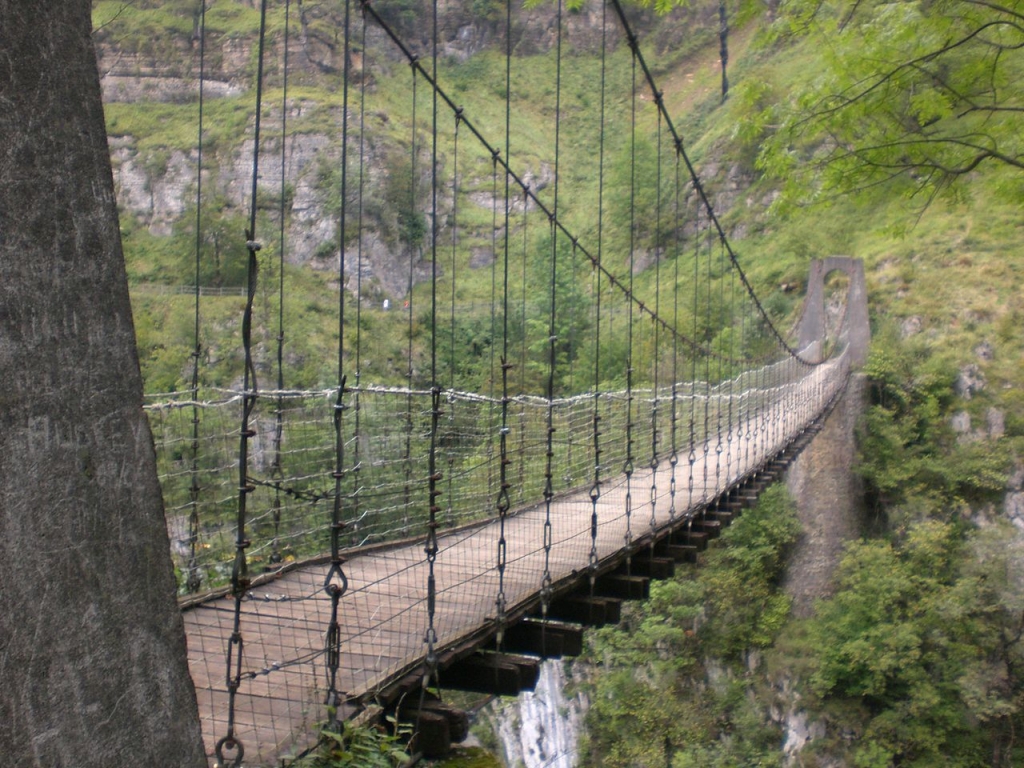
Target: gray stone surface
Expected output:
[813,323]
[995,421]
[969,381]
[92,649]
[1013,507]
[829,498]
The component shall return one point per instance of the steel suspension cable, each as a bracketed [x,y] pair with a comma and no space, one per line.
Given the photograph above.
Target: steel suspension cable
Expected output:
[732,375]
[409,306]
[708,324]
[719,377]
[699,188]
[568,478]
[193,578]
[655,461]
[336,582]
[595,488]
[521,452]
[276,472]
[433,476]
[229,743]
[496,154]
[628,467]
[504,502]
[492,377]
[746,422]
[355,499]
[450,515]
[692,456]
[674,439]
[549,490]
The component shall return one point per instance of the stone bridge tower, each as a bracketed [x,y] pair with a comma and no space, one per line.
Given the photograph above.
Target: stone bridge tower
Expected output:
[828,494]
[812,325]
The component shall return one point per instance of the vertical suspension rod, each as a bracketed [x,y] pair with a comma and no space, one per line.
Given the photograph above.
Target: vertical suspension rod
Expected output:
[433,474]
[595,488]
[275,554]
[513,177]
[336,583]
[628,466]
[705,200]
[674,455]
[240,568]
[655,461]
[355,498]
[503,484]
[549,490]
[193,580]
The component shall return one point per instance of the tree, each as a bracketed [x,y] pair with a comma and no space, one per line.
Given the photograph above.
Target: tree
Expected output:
[924,636]
[92,651]
[912,94]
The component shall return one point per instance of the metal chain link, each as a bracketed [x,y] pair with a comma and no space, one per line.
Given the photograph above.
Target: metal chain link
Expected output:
[240,568]
[655,460]
[431,547]
[595,490]
[504,504]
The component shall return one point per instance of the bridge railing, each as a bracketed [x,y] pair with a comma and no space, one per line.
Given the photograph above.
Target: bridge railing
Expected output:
[292,455]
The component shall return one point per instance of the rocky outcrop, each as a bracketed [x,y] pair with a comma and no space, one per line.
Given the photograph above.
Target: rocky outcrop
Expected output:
[152,55]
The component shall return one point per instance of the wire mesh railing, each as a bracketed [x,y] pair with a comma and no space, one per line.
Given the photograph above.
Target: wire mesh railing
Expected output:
[289,508]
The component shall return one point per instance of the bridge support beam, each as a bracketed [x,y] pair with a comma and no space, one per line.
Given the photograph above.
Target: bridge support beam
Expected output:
[651,567]
[547,639]
[680,553]
[436,725]
[502,674]
[626,587]
[589,611]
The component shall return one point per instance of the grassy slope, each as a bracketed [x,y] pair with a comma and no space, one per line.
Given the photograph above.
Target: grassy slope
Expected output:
[952,267]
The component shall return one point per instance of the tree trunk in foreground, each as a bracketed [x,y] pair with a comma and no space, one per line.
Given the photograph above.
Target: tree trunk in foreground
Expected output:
[93,669]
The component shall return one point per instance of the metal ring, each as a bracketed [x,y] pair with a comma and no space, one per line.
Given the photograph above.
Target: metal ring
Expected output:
[232,744]
[332,588]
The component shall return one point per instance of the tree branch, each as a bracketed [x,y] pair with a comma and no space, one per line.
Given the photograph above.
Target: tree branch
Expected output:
[880,80]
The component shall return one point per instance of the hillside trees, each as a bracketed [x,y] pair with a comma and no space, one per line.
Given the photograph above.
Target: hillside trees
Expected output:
[923,637]
[92,648]
[914,95]
[917,654]
[650,704]
[908,452]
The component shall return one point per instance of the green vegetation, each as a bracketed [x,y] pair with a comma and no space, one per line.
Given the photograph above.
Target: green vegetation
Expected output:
[158,137]
[673,680]
[912,97]
[920,649]
[363,746]
[909,453]
[914,661]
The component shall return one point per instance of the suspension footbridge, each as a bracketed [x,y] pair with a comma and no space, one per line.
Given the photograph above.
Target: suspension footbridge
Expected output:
[337,546]
[484,577]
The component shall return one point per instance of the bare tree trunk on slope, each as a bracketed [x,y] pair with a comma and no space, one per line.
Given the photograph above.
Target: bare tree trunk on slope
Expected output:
[93,669]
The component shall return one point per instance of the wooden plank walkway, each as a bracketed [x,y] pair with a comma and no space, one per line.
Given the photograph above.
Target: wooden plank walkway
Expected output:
[384,614]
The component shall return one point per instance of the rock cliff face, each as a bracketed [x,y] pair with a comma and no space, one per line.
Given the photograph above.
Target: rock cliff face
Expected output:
[156,185]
